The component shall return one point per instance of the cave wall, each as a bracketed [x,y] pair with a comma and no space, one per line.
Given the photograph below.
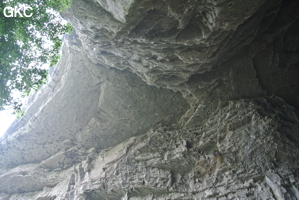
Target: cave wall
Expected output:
[84,108]
[164,100]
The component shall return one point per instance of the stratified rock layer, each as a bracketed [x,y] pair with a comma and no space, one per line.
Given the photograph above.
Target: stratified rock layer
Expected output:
[246,150]
[166,42]
[243,151]
[85,106]
[230,130]
[169,43]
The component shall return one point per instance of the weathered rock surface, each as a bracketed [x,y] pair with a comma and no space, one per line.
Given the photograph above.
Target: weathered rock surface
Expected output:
[98,130]
[86,106]
[166,42]
[246,150]
[238,153]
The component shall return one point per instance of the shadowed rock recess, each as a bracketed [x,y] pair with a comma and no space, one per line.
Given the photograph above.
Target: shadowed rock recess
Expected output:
[164,99]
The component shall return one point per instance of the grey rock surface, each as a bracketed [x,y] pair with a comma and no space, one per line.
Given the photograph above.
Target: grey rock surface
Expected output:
[166,42]
[244,151]
[164,100]
[89,106]
[239,153]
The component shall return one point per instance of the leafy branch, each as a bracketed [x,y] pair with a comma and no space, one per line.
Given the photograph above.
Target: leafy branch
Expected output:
[27,45]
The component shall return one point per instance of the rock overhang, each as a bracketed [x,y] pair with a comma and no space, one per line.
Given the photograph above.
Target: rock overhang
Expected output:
[233,65]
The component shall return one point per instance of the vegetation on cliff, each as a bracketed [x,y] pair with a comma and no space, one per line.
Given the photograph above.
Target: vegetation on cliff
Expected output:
[30,38]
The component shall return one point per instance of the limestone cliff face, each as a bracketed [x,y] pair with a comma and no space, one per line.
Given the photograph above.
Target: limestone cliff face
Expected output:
[164,100]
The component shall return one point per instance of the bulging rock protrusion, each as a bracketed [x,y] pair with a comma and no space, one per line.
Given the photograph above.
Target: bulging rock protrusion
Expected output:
[164,42]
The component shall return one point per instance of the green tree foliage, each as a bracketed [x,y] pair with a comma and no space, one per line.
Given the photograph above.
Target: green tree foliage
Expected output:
[27,45]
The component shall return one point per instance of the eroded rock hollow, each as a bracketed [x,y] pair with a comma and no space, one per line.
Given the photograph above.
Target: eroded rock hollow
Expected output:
[169,99]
